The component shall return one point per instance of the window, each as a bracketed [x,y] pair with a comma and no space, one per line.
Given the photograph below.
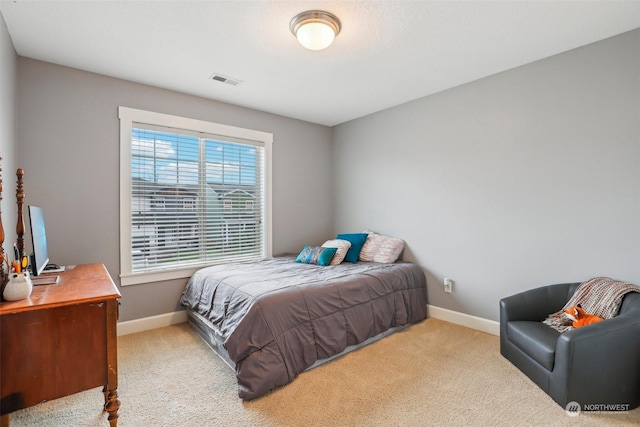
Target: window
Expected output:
[157,203]
[188,204]
[181,182]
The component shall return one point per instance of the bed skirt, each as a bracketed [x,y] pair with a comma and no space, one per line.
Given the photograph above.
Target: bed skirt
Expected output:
[207,332]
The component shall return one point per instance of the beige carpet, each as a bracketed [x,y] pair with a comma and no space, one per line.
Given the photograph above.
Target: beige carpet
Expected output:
[431,374]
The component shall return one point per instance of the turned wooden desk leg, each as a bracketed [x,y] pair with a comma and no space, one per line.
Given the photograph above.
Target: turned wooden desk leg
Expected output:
[111,405]
[111,402]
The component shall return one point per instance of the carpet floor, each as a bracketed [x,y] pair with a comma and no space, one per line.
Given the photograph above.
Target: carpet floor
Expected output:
[431,374]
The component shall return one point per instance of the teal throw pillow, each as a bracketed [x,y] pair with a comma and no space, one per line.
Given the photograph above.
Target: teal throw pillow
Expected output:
[357,241]
[316,255]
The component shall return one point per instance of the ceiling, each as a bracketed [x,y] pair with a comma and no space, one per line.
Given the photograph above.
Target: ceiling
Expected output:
[388,52]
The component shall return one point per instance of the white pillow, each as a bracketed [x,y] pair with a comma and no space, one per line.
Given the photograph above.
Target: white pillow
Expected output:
[342,245]
[379,248]
[371,246]
[390,250]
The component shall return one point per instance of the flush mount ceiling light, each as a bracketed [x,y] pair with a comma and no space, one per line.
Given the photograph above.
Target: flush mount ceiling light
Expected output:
[315,29]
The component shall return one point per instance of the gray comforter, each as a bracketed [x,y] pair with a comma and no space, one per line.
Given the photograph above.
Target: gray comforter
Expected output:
[277,317]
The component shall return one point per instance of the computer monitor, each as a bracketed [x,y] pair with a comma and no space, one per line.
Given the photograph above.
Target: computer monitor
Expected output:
[40,255]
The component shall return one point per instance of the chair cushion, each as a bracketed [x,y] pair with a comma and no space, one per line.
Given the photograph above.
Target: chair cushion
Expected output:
[535,339]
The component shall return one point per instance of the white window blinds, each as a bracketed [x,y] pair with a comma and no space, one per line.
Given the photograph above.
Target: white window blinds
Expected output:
[196,199]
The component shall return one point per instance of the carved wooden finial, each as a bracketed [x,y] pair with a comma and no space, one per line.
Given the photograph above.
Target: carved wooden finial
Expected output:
[2,256]
[20,225]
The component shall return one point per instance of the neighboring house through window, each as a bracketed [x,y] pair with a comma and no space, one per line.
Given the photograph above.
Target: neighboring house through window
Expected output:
[188,204]
[192,194]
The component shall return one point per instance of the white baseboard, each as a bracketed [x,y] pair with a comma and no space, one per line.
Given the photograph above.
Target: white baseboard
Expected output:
[484,325]
[147,323]
[153,322]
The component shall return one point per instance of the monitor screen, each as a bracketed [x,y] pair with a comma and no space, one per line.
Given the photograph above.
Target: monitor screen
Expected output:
[40,256]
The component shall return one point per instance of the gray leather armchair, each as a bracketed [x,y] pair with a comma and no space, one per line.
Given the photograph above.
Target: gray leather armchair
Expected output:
[594,365]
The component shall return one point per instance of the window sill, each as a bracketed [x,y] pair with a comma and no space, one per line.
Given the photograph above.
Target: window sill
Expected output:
[158,276]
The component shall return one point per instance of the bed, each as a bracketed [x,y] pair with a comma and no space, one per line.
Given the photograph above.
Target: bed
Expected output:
[274,318]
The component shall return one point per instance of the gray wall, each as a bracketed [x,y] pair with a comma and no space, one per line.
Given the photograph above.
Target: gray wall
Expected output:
[68,132]
[521,179]
[525,178]
[8,60]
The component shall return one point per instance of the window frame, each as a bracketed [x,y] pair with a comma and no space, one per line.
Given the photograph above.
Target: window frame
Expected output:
[129,116]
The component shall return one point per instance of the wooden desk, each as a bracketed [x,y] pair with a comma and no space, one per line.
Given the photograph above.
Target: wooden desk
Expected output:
[61,340]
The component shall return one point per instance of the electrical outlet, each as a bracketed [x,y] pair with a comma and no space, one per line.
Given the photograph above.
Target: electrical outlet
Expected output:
[448,284]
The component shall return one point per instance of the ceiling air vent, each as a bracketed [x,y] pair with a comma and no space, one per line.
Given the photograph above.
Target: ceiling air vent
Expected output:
[224,79]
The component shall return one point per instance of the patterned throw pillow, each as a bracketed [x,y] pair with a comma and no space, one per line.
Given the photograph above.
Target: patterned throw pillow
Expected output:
[316,255]
[342,246]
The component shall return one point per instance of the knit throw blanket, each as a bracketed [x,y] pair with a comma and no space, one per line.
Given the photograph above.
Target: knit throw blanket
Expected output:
[601,296]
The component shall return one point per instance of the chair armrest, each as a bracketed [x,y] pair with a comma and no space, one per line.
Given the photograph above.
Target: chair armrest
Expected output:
[592,337]
[606,353]
[626,324]
[535,304]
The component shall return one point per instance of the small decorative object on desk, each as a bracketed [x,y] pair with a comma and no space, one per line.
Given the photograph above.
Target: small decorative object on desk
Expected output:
[19,286]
